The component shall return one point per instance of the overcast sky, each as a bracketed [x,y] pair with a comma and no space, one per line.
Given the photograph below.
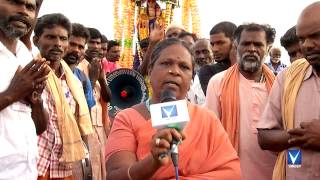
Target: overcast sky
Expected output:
[280,14]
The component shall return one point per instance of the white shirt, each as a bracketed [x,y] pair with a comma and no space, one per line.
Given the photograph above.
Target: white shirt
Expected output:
[18,138]
[195,94]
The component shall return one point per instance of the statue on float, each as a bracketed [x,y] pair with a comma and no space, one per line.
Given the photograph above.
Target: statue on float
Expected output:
[149,16]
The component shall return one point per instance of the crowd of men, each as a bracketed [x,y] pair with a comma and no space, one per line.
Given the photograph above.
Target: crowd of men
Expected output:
[53,109]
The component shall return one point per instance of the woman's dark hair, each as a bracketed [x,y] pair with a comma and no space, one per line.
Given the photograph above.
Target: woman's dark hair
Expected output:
[163,45]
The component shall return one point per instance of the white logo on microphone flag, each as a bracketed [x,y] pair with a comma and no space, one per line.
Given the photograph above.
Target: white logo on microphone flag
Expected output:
[169,114]
[169,111]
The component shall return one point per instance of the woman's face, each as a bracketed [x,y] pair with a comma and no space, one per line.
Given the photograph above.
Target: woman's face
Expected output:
[172,70]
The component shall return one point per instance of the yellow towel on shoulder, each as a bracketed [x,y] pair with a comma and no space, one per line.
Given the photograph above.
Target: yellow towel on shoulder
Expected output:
[69,125]
[293,79]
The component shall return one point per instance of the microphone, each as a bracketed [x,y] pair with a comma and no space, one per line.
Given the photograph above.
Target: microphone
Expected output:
[170,113]
[167,96]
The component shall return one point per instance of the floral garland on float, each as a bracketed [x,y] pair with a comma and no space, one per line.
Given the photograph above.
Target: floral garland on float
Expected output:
[190,16]
[133,20]
[124,17]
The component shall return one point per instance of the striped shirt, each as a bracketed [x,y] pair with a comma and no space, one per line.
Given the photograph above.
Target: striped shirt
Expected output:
[50,142]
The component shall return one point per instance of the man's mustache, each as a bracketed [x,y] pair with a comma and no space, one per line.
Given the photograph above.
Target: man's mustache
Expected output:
[201,61]
[21,19]
[309,53]
[56,50]
[73,54]
[252,55]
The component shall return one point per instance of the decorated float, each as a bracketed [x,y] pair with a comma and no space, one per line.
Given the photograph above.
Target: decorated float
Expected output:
[134,19]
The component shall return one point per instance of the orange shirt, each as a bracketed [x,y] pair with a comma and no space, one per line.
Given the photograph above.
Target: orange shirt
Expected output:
[206,153]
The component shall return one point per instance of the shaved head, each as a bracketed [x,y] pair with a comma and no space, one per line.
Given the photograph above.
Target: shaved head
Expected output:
[308,32]
[309,16]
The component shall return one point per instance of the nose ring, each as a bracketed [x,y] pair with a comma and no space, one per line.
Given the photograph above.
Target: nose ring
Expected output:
[170,71]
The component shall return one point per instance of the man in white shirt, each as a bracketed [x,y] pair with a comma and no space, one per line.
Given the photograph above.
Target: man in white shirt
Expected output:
[22,116]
